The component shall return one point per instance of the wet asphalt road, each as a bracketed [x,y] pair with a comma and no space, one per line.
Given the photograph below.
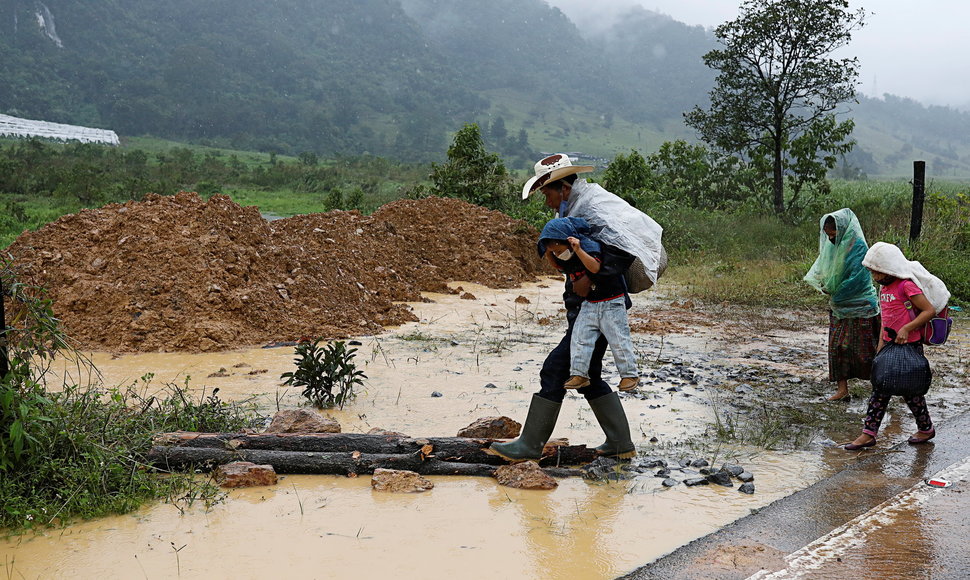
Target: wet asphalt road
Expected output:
[877,518]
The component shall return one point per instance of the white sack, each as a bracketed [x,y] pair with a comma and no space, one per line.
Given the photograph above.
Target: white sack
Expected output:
[619,224]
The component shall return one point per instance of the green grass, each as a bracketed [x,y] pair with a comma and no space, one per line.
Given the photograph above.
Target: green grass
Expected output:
[88,452]
[757,259]
[282,203]
[896,155]
[155,146]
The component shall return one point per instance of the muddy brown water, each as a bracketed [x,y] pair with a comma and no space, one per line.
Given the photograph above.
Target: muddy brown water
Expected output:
[483,357]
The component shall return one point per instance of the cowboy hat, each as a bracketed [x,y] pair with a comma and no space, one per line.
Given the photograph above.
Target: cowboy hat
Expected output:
[551,169]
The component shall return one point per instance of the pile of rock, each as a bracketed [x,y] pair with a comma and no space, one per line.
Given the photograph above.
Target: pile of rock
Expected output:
[689,471]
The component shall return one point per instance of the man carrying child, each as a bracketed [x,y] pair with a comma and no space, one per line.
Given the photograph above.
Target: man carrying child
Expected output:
[626,235]
[596,272]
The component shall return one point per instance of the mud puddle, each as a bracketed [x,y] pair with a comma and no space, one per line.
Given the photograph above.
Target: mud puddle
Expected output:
[464,359]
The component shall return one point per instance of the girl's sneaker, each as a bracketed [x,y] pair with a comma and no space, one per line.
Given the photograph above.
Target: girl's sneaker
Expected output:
[629,383]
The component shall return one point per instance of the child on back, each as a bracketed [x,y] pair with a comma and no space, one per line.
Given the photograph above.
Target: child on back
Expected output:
[594,283]
[904,286]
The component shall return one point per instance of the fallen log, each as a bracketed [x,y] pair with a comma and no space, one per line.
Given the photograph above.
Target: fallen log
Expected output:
[329,463]
[449,449]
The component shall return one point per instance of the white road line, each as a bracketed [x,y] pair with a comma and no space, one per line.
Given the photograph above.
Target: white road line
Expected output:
[851,535]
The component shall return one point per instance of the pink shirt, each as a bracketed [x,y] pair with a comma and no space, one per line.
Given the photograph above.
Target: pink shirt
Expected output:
[892,301]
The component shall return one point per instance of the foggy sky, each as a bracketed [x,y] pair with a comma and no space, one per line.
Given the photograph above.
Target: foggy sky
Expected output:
[907,48]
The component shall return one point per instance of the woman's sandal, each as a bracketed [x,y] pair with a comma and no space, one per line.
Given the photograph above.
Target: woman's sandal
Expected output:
[921,437]
[856,447]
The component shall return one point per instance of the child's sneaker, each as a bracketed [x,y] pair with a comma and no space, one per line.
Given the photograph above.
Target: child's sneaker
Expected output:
[629,383]
[576,382]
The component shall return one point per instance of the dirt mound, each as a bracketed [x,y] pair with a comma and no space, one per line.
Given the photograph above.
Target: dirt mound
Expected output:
[179,273]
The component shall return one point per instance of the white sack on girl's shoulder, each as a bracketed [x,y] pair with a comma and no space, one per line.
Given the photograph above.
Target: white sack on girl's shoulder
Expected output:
[889,259]
[617,223]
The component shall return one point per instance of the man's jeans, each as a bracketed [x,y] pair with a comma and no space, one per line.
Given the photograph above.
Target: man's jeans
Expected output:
[609,319]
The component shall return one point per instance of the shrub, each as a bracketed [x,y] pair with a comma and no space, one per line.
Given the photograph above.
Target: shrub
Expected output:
[327,374]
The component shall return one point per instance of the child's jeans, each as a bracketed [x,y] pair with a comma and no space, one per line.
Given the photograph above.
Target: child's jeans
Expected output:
[609,319]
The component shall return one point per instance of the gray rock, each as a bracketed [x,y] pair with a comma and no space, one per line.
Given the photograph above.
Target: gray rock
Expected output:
[747,488]
[746,476]
[699,463]
[732,468]
[604,469]
[721,478]
[670,482]
[691,482]
[491,386]
[648,462]
[662,472]
[436,394]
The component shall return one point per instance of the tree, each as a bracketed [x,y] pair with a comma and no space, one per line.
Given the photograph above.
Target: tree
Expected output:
[629,176]
[692,174]
[778,87]
[472,173]
[498,132]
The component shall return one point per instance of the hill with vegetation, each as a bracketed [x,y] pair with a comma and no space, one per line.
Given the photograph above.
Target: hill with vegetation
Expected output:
[396,78]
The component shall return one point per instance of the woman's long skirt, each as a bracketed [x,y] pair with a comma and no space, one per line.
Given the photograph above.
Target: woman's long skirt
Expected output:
[852,346]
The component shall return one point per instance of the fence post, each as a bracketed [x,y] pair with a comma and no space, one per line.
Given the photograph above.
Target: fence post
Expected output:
[919,193]
[4,364]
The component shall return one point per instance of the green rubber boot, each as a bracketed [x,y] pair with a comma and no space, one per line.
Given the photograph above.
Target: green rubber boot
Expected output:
[611,417]
[536,431]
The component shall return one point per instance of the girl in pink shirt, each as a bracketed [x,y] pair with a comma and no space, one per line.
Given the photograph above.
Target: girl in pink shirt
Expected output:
[895,315]
[897,293]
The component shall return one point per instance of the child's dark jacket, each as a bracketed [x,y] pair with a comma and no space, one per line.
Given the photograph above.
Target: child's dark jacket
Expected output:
[607,284]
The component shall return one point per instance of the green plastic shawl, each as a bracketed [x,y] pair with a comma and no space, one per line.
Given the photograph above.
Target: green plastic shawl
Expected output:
[838,271]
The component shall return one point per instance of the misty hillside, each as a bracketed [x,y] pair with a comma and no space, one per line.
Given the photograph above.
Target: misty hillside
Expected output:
[392,77]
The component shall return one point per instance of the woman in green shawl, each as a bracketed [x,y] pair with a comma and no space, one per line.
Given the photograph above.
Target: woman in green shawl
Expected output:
[854,322]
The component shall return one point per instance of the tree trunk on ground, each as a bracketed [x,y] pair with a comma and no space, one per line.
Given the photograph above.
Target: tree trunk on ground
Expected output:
[450,449]
[330,463]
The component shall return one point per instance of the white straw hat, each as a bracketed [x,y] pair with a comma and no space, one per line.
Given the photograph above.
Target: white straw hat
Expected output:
[551,169]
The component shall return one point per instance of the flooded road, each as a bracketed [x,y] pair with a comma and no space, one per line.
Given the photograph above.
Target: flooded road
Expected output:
[462,360]
[877,518]
[335,527]
[919,533]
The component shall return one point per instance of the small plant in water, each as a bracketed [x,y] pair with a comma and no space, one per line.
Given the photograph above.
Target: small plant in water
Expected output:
[327,374]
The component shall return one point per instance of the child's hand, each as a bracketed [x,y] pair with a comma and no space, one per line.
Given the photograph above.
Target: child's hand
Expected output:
[573,243]
[902,336]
